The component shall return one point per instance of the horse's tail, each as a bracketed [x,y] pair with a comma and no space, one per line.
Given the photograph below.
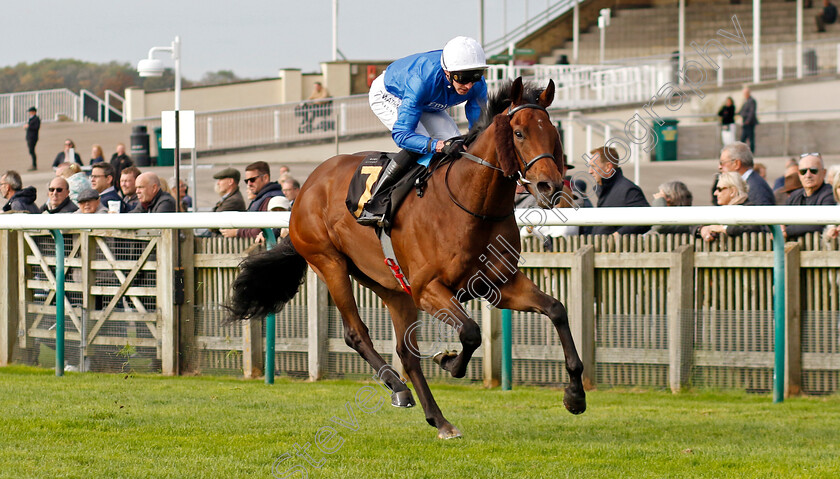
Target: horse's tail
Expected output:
[266,282]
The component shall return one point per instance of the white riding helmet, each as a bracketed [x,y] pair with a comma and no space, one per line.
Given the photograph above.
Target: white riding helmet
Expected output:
[462,53]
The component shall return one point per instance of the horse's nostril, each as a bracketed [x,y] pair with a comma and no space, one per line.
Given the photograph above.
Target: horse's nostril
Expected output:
[546,190]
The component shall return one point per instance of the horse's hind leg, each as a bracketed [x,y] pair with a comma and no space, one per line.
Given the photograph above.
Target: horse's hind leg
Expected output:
[521,294]
[333,270]
[404,316]
[404,319]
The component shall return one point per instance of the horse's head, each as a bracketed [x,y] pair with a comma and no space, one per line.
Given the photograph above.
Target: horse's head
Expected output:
[528,145]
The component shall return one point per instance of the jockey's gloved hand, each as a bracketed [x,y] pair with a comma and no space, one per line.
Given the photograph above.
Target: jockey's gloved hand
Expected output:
[454,147]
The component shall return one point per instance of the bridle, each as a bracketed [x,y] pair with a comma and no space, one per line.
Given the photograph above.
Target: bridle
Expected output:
[520,173]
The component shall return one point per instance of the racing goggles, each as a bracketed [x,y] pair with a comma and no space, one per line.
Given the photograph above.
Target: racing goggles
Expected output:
[466,77]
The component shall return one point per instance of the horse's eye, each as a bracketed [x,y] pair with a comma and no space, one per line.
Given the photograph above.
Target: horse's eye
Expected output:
[518,134]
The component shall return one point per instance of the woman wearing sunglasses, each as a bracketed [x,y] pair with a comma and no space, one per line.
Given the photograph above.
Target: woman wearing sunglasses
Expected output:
[731,190]
[411,98]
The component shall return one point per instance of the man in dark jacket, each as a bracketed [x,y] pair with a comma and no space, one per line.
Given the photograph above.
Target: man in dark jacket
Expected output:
[20,198]
[102,180]
[614,190]
[749,116]
[32,128]
[119,162]
[59,198]
[68,154]
[827,16]
[814,191]
[738,158]
[150,198]
[258,181]
[227,185]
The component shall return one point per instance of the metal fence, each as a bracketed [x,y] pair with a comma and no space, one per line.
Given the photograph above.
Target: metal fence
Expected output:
[60,105]
[628,291]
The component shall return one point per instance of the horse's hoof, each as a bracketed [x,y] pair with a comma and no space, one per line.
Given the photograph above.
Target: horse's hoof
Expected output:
[448,432]
[575,402]
[444,356]
[402,399]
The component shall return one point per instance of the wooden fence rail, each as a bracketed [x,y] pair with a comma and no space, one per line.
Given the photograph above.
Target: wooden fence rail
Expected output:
[663,311]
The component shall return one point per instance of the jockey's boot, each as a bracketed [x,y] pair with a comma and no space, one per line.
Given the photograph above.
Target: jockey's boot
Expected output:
[374,210]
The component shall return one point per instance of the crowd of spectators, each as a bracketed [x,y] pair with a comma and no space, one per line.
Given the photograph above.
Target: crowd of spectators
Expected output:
[739,181]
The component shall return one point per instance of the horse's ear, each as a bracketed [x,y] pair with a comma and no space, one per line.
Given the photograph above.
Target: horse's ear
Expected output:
[516,91]
[505,152]
[547,96]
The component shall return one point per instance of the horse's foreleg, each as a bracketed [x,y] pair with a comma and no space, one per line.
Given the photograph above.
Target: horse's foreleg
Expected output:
[404,315]
[335,274]
[521,294]
[438,300]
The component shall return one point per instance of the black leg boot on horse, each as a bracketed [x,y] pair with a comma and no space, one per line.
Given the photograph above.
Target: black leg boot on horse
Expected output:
[376,208]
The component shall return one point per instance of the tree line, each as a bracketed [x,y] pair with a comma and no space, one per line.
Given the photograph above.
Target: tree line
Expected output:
[76,75]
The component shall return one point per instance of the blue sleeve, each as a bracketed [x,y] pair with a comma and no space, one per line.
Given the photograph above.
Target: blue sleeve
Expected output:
[473,107]
[408,117]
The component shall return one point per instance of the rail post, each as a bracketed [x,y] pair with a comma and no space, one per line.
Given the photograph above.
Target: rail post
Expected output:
[59,302]
[778,313]
[270,323]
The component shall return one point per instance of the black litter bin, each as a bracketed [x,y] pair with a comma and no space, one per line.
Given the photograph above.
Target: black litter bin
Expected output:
[140,145]
[166,157]
[666,146]
[809,58]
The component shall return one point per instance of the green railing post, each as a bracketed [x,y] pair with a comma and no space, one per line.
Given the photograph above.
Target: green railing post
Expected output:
[270,324]
[779,313]
[507,351]
[59,302]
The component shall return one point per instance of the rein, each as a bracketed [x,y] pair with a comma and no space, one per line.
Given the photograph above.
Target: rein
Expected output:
[482,162]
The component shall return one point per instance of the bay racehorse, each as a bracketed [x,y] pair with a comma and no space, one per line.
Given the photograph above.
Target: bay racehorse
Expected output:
[462,226]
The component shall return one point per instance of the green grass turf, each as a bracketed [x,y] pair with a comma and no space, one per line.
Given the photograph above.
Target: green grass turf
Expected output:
[99,425]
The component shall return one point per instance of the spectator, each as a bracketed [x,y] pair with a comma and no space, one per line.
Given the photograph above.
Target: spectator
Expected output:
[672,193]
[128,187]
[791,168]
[831,174]
[290,188]
[736,157]
[89,203]
[151,197]
[102,180]
[319,92]
[258,181]
[832,231]
[749,119]
[20,198]
[68,154]
[119,162]
[76,178]
[791,184]
[614,190]
[277,203]
[827,16]
[96,155]
[761,169]
[283,170]
[727,121]
[814,191]
[731,190]
[181,194]
[59,198]
[33,125]
[227,186]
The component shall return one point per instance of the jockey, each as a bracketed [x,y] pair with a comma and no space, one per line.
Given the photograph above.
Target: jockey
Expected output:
[411,97]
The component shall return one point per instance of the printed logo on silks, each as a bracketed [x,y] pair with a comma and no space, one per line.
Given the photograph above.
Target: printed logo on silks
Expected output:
[436,106]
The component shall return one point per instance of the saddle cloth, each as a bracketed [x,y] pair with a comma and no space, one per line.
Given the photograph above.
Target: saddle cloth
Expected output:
[366,177]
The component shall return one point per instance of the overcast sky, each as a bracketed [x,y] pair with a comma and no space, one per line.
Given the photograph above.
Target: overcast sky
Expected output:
[254,38]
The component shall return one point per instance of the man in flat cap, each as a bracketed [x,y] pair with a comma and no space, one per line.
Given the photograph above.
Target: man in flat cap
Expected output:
[32,126]
[227,186]
[89,202]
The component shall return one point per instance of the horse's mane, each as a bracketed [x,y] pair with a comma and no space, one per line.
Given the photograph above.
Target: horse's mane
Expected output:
[497,102]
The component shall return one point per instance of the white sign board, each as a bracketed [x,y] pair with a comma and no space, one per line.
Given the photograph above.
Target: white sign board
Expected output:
[167,124]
